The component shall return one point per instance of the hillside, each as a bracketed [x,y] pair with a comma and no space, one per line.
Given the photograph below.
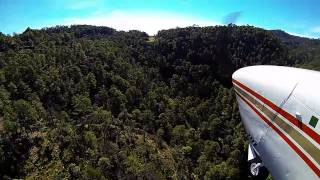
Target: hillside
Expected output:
[288,38]
[303,52]
[86,102]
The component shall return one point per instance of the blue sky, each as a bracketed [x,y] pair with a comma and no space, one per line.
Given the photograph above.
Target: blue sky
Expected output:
[296,17]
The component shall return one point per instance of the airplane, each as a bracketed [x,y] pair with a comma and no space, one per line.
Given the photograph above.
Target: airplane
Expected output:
[280,110]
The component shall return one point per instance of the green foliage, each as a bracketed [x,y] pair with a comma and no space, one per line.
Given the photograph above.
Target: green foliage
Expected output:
[82,105]
[104,163]
[222,171]
[134,165]
[85,102]
[303,52]
[90,139]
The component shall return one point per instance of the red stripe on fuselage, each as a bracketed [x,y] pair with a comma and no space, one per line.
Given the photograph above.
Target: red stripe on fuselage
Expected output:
[284,137]
[311,133]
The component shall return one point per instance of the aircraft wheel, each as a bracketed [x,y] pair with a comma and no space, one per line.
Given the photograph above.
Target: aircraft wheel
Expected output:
[256,170]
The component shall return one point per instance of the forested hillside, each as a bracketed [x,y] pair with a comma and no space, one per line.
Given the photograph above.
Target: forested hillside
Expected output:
[85,102]
[303,52]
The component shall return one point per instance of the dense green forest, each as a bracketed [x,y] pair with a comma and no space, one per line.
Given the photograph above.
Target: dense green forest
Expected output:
[86,102]
[303,52]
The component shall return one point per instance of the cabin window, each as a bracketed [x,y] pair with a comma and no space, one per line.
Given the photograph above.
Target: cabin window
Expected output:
[313,121]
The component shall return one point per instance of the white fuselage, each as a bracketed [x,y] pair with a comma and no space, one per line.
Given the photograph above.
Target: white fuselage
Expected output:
[280,110]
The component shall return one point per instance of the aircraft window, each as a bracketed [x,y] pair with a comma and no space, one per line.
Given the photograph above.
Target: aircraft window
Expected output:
[313,121]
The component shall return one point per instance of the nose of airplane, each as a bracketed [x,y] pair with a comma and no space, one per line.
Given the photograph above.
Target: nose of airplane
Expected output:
[238,74]
[266,77]
[244,74]
[270,82]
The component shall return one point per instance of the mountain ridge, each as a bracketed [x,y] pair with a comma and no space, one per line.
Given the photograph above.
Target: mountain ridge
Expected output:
[86,102]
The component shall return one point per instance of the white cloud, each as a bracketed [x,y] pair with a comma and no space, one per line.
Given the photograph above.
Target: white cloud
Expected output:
[302,35]
[82,4]
[316,29]
[149,22]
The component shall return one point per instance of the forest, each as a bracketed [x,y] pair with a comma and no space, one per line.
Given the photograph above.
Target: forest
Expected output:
[89,102]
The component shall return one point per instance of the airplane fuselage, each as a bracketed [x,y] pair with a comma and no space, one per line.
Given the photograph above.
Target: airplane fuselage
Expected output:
[280,107]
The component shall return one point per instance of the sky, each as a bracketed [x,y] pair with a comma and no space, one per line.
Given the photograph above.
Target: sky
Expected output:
[300,18]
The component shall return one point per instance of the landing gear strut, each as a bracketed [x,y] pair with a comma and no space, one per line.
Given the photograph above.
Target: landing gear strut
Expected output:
[256,169]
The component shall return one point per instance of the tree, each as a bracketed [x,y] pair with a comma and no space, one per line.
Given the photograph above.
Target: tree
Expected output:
[88,102]
[82,105]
